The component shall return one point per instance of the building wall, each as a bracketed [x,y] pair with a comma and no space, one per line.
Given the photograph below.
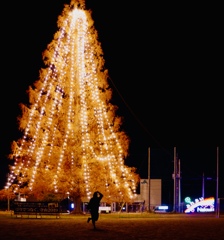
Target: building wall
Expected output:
[155,193]
[142,199]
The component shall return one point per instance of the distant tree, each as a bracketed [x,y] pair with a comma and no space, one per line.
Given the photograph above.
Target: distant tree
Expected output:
[7,194]
[72,141]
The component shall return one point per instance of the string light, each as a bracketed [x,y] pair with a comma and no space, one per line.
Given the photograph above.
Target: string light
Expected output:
[71,131]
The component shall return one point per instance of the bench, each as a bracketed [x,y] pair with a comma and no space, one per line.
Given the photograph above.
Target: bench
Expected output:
[104,209]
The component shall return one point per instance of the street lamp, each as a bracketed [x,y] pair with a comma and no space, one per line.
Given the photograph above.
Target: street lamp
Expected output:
[68,200]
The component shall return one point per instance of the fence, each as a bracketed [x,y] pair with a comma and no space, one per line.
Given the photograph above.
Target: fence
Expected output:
[36,208]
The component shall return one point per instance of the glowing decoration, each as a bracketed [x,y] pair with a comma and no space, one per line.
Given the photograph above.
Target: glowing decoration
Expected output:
[72,142]
[187,200]
[201,205]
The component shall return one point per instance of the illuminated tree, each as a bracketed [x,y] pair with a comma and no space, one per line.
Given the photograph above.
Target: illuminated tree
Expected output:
[72,140]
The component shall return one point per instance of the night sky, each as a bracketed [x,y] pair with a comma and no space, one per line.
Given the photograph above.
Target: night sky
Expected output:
[165,71]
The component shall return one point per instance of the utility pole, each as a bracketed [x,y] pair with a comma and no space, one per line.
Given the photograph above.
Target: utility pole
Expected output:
[179,187]
[174,180]
[217,181]
[203,185]
[149,179]
[177,184]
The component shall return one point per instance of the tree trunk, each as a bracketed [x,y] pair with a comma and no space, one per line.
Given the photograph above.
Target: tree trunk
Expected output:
[77,206]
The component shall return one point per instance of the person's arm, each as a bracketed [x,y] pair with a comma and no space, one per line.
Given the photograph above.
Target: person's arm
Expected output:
[101,195]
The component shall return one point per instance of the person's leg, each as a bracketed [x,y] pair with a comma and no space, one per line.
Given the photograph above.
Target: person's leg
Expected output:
[90,218]
[94,225]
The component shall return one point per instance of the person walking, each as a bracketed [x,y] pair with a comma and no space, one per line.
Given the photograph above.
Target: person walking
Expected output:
[93,207]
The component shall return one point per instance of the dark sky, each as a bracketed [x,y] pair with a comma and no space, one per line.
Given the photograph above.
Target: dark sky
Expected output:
[165,70]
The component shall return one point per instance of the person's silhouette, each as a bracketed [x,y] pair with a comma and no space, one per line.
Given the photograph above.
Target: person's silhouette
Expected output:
[93,207]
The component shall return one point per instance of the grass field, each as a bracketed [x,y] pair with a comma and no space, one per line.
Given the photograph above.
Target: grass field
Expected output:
[113,226]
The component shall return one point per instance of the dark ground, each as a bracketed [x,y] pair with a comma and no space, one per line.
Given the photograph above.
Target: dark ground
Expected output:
[114,226]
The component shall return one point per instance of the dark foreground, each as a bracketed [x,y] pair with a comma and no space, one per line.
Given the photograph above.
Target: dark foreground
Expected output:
[110,226]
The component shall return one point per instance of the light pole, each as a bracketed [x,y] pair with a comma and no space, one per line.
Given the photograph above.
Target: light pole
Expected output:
[8,199]
[217,181]
[68,201]
[149,197]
